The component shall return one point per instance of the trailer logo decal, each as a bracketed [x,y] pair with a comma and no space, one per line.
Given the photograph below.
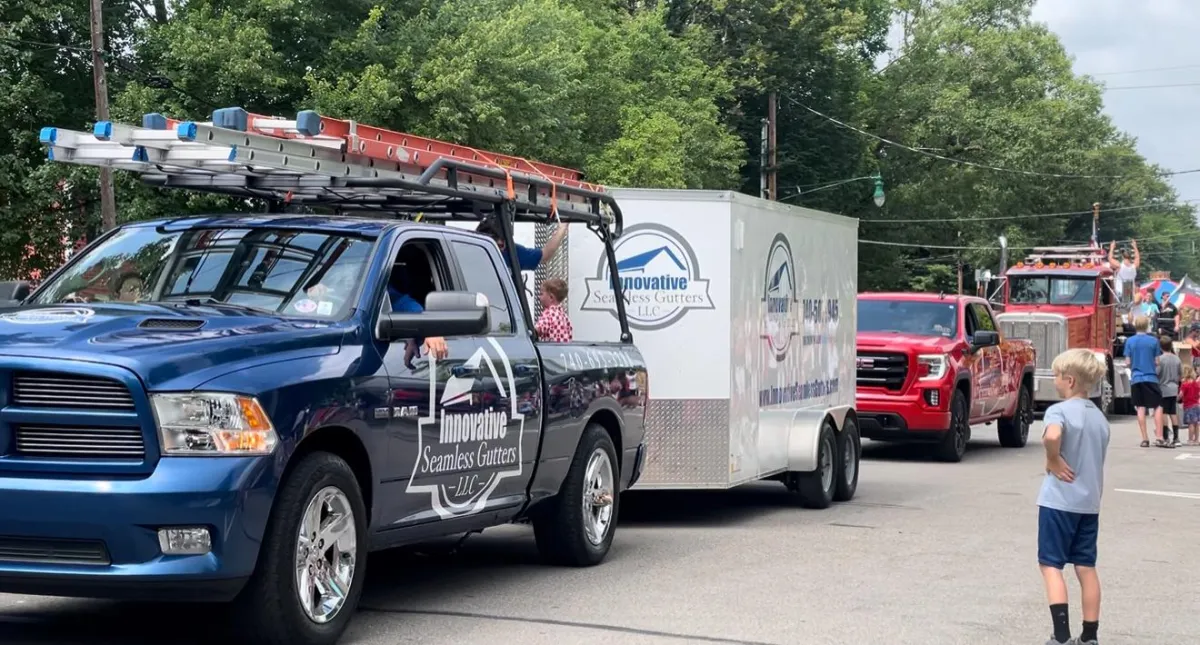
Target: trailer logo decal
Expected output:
[476,445]
[779,298]
[660,278]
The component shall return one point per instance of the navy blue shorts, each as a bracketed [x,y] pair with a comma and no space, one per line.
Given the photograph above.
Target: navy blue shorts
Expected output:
[1067,538]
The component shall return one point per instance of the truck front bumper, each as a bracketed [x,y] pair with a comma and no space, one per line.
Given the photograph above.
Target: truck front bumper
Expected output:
[1044,392]
[921,414]
[98,538]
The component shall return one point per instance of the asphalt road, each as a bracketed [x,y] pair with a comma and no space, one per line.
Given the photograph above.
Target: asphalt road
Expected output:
[928,553]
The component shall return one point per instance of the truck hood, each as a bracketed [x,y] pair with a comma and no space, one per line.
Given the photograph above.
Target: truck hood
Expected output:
[167,346]
[900,342]
[1069,312]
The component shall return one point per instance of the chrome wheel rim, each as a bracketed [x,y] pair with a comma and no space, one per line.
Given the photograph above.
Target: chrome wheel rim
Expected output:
[1106,398]
[326,555]
[827,463]
[598,497]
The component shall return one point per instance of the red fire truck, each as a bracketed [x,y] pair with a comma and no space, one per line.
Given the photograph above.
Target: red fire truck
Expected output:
[1061,298]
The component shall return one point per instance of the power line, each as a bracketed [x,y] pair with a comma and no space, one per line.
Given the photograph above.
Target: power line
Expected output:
[1172,236]
[933,155]
[1143,70]
[952,220]
[1149,87]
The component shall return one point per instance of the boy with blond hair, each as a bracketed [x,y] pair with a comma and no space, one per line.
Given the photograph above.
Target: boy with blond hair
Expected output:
[1076,442]
[1143,351]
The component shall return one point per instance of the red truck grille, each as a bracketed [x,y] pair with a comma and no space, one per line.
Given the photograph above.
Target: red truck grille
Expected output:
[882,369]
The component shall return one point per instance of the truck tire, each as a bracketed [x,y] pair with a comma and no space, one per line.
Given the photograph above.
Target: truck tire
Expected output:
[849,456]
[817,488]
[1014,432]
[954,443]
[578,526]
[273,606]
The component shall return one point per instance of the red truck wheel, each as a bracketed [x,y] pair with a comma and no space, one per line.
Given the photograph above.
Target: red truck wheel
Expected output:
[954,442]
[1014,432]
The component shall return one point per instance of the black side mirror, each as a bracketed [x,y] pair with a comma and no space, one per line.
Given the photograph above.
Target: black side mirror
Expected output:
[985,339]
[14,290]
[447,313]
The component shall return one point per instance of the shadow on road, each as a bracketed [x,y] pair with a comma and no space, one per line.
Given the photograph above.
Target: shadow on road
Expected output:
[978,449]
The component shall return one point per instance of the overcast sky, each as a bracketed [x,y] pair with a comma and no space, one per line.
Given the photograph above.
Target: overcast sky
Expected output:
[1107,37]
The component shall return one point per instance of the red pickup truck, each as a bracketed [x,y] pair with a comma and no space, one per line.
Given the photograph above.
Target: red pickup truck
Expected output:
[930,366]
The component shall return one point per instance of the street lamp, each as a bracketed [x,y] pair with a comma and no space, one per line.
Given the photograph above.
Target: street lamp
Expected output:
[879,196]
[877,178]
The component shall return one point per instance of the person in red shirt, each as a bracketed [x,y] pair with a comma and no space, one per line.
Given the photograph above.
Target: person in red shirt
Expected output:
[1189,397]
[553,325]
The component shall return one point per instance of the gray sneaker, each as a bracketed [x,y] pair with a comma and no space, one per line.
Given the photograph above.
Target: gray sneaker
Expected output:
[1072,641]
[1079,642]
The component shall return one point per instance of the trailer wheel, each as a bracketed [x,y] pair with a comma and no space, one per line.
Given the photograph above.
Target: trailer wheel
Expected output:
[578,526]
[1014,432]
[310,571]
[817,488]
[954,443]
[849,457]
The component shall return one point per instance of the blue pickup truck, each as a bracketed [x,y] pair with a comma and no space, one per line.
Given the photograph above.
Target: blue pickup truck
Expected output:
[239,409]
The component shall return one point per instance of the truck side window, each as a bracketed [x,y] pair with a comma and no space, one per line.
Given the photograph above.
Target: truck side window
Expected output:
[983,318]
[419,268]
[482,276]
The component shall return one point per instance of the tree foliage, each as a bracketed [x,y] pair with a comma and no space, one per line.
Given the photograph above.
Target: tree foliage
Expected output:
[659,93]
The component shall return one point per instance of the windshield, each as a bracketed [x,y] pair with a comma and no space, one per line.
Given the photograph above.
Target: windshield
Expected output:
[1048,290]
[282,271]
[908,317]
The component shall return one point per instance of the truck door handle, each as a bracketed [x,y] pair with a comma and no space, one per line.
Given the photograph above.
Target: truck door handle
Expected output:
[462,371]
[524,370]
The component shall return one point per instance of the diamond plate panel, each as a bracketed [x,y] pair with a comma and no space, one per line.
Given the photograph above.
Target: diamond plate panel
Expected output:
[555,268]
[687,443]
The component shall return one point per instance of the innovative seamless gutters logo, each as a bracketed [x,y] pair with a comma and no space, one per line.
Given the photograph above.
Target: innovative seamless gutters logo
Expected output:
[779,298]
[477,445]
[660,277]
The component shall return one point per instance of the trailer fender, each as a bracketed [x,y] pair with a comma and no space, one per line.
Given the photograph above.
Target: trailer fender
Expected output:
[803,430]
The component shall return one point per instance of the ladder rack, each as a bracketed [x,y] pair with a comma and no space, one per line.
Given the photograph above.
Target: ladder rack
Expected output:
[318,161]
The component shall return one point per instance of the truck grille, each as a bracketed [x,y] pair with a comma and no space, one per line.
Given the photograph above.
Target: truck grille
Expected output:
[1048,337]
[48,390]
[43,551]
[74,442]
[882,369]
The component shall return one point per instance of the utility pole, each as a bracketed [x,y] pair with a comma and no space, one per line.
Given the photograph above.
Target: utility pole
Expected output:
[108,202]
[763,158]
[772,181]
[1096,224]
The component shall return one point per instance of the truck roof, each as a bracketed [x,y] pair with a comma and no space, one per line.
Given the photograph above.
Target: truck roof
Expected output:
[918,297]
[364,226]
[1072,270]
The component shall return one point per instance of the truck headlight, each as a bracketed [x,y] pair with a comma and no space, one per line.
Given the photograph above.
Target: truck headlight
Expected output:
[931,367]
[213,423]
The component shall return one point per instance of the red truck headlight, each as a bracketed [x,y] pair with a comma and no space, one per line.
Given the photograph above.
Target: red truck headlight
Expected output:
[931,367]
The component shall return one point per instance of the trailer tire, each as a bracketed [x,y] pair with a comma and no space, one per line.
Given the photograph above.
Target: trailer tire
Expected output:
[1014,432]
[271,604]
[849,457]
[567,533]
[817,488]
[954,443]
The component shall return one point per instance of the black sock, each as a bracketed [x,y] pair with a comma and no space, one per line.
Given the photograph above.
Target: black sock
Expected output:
[1062,622]
[1089,630]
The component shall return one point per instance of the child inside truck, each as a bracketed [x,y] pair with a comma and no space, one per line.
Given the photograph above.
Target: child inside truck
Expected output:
[1076,441]
[553,325]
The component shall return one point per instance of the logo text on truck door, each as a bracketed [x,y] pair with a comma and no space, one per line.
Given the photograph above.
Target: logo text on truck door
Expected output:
[478,438]
[660,278]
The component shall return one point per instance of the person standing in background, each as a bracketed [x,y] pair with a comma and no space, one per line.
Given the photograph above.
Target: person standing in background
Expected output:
[1125,269]
[1189,398]
[528,259]
[1170,373]
[1143,350]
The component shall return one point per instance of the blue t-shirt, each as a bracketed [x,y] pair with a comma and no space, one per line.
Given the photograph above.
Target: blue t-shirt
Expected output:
[528,259]
[1148,309]
[402,303]
[1141,350]
[1084,445]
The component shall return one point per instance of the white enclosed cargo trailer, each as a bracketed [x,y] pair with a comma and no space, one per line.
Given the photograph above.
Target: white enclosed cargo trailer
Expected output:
[745,312]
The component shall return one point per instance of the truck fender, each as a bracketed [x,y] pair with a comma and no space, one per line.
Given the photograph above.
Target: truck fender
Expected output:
[802,429]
